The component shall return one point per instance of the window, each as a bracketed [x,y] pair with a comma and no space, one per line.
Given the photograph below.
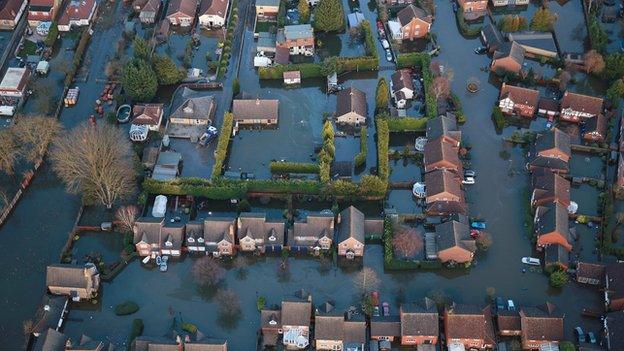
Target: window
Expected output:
[168,244]
[200,240]
[191,240]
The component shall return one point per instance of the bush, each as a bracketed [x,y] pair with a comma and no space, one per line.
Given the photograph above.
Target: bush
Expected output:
[407,124]
[189,327]
[125,308]
[500,122]
[369,41]
[315,70]
[52,35]
[464,28]
[423,61]
[222,144]
[383,139]
[260,303]
[293,167]
[135,330]
[558,278]
[360,158]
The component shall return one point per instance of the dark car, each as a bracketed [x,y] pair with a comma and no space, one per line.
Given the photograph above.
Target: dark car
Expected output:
[470,173]
[580,336]
[500,304]
[591,337]
[480,50]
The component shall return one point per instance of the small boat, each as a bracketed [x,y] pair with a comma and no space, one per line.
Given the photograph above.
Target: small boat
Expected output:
[146,260]
[123,113]
[532,261]
[158,260]
[477,225]
[163,267]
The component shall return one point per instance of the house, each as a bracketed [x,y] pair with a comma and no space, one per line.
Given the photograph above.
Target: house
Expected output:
[270,327]
[213,236]
[596,128]
[444,195]
[541,325]
[401,87]
[579,107]
[10,13]
[51,314]
[508,58]
[548,108]
[257,234]
[518,101]
[312,234]
[590,273]
[88,344]
[419,322]
[149,115]
[213,13]
[147,343]
[14,83]
[614,287]
[194,110]
[206,344]
[292,77]
[556,255]
[77,282]
[385,328]
[549,187]
[350,238]
[491,37]
[77,13]
[439,154]
[508,323]
[473,9]
[42,11]
[613,329]
[266,44]
[455,245]
[148,10]
[51,340]
[152,237]
[181,12]
[414,23]
[445,128]
[256,112]
[469,327]
[295,319]
[266,10]
[351,106]
[551,151]
[536,44]
[298,39]
[333,332]
[551,226]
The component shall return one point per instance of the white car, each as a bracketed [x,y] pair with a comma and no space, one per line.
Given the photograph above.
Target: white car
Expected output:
[468,180]
[389,55]
[385,44]
[532,261]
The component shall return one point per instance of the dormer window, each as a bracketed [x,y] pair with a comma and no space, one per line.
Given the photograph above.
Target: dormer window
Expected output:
[272,238]
[272,322]
[190,240]
[200,240]
[168,244]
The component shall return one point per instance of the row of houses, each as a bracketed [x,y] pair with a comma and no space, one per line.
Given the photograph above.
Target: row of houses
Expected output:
[253,232]
[73,13]
[417,324]
[474,9]
[610,278]
[210,13]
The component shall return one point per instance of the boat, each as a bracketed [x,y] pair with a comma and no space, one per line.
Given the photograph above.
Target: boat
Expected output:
[532,261]
[159,260]
[477,225]
[418,190]
[123,113]
[146,260]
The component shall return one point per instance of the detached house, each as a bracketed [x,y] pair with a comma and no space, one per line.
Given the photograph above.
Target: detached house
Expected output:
[508,58]
[549,187]
[519,101]
[313,234]
[213,236]
[266,10]
[596,128]
[181,12]
[350,239]
[541,326]
[551,226]
[440,155]
[469,327]
[10,13]
[590,273]
[551,152]
[455,245]
[473,9]
[149,115]
[198,110]
[152,237]
[213,13]
[351,107]
[148,10]
[445,128]
[444,194]
[298,39]
[256,233]
[411,23]
[256,112]
[333,332]
[270,327]
[79,283]
[402,87]
[578,107]
[77,13]
[295,317]
[419,323]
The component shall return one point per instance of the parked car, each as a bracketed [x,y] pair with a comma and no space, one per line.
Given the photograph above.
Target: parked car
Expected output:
[385,44]
[510,305]
[477,224]
[470,173]
[591,337]
[454,6]
[209,135]
[531,261]
[389,55]
[580,335]
[500,304]
[468,180]
[376,311]
[480,50]
[386,308]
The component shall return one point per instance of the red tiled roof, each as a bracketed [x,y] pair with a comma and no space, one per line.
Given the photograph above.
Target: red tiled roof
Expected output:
[583,103]
[186,7]
[9,9]
[77,10]
[520,95]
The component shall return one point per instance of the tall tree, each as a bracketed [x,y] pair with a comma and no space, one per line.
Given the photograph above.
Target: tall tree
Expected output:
[141,49]
[126,216]
[614,66]
[207,271]
[382,95]
[441,87]
[616,91]
[407,241]
[95,161]
[139,80]
[35,135]
[593,61]
[10,151]
[329,16]
[166,70]
[366,280]
[304,11]
[543,20]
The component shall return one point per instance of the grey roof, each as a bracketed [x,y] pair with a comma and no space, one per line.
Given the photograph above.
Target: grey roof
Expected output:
[550,218]
[351,224]
[553,139]
[532,39]
[454,233]
[556,254]
[266,41]
[49,312]
[296,313]
[314,227]
[194,106]
[217,229]
[255,109]
[51,340]
[355,330]
[513,50]
[329,327]
[442,126]
[402,79]
[275,3]
[266,316]
[298,31]
[256,226]
[420,318]
[66,275]
[351,100]
[615,325]
[491,36]
[385,326]
[169,158]
[147,343]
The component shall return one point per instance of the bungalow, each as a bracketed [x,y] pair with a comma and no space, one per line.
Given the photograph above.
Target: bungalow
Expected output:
[13,86]
[256,112]
[270,327]
[508,323]
[213,236]
[266,10]
[519,101]
[596,128]
[333,332]
[10,13]
[444,194]
[152,237]
[541,325]
[295,318]
[77,13]
[148,10]
[439,154]
[292,77]
[149,115]
[350,238]
[42,11]
[508,58]
[77,282]
[298,39]
[351,107]
[614,287]
[194,111]
[213,13]
[413,23]
[419,323]
[315,233]
[549,187]
[402,87]
[257,234]
[590,273]
[551,226]
[548,108]
[536,44]
[491,37]
[181,12]
[473,9]
[551,151]
[455,245]
[385,328]
[578,107]
[444,127]
[469,327]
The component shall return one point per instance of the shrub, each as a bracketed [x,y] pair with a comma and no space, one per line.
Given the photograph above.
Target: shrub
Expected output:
[189,327]
[558,278]
[222,144]
[315,70]
[125,308]
[260,303]
[293,167]
[369,41]
[499,120]
[407,124]
[383,139]
[52,35]
[360,158]
[135,330]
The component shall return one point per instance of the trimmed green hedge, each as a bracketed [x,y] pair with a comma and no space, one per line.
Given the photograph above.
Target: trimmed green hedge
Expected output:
[222,145]
[369,41]
[407,124]
[423,61]
[360,158]
[125,308]
[315,70]
[383,140]
[464,28]
[293,167]
[227,44]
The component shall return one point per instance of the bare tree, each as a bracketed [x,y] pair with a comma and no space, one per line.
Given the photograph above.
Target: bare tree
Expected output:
[35,135]
[484,241]
[126,216]
[229,303]
[441,87]
[4,199]
[207,271]
[366,280]
[407,241]
[593,61]
[9,153]
[96,161]
[28,326]
[564,79]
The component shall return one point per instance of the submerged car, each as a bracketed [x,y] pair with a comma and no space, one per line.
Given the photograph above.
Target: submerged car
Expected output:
[531,261]
[480,50]
[468,180]
[389,56]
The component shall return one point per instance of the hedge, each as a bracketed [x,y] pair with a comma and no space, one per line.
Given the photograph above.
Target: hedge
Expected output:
[293,167]
[423,61]
[464,28]
[360,158]
[407,124]
[222,145]
[369,41]
[135,330]
[125,308]
[392,263]
[383,139]
[80,49]
[315,70]
[52,35]
[227,44]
